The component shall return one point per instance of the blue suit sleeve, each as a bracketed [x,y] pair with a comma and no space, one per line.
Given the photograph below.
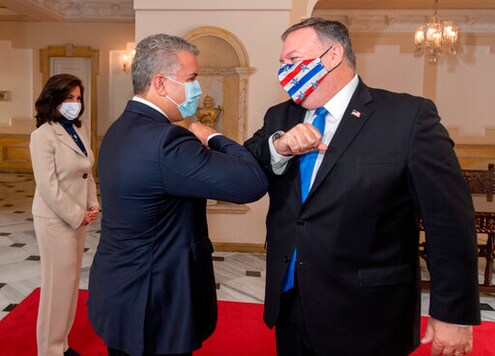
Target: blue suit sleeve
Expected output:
[227,171]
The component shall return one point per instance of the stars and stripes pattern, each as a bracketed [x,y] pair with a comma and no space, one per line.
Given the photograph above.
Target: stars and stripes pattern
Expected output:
[356,113]
[300,79]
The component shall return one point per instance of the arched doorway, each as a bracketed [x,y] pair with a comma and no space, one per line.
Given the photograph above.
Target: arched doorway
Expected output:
[224,76]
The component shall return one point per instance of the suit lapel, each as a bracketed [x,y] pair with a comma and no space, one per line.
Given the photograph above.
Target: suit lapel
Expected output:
[82,136]
[64,137]
[355,117]
[295,115]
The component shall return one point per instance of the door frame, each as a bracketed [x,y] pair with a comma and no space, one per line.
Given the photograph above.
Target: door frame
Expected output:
[70,51]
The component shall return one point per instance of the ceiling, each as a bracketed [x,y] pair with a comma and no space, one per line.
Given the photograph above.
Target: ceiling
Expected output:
[67,10]
[122,10]
[404,4]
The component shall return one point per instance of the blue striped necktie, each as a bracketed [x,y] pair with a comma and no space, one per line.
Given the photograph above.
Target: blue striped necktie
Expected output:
[306,167]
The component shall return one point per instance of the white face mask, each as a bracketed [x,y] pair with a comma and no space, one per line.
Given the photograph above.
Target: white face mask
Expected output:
[70,110]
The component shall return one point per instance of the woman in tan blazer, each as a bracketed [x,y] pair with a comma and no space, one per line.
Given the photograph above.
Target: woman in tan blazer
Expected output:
[65,202]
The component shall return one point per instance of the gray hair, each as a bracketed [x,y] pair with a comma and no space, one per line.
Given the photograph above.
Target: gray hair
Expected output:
[328,30]
[157,54]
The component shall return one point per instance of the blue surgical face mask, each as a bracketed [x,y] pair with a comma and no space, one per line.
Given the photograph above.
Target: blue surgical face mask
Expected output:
[190,105]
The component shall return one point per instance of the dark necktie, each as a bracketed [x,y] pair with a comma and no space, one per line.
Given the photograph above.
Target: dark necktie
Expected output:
[306,168]
[67,125]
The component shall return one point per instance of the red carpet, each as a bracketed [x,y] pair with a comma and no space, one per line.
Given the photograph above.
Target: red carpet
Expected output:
[240,332]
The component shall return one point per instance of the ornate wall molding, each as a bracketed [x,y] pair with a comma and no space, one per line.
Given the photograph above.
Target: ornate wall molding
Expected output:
[469,21]
[206,71]
[229,37]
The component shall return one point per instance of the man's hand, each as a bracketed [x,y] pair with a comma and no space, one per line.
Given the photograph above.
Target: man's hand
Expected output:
[299,140]
[448,339]
[202,132]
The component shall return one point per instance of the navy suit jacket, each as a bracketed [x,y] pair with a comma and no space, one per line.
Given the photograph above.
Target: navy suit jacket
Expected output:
[151,287]
[357,268]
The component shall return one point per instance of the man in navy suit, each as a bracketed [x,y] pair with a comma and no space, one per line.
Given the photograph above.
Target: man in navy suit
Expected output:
[152,288]
[350,170]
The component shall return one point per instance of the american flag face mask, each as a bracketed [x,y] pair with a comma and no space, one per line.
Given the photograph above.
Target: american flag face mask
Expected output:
[301,79]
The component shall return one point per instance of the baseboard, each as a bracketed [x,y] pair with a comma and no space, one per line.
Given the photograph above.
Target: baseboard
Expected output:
[238,247]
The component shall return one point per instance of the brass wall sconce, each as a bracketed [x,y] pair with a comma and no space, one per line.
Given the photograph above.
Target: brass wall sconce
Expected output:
[128,57]
[127,61]
[4,95]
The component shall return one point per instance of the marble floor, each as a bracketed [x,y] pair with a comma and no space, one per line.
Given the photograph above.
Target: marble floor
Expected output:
[239,276]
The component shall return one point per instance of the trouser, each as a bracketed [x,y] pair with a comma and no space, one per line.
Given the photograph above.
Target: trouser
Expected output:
[61,250]
[290,330]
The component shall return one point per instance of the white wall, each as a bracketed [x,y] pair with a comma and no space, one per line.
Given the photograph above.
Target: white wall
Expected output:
[390,69]
[16,73]
[466,91]
[461,85]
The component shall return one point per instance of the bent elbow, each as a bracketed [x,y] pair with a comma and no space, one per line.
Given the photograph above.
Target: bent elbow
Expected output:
[255,190]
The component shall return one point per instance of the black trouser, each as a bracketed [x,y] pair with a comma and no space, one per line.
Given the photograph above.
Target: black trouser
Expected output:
[115,352]
[290,330]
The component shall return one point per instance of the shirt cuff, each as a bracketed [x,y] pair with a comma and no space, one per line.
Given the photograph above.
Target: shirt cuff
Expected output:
[211,136]
[278,162]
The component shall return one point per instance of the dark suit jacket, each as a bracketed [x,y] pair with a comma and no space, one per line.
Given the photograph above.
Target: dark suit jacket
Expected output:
[151,286]
[357,233]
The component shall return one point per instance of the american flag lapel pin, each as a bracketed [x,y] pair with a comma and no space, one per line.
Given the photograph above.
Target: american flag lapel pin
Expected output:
[356,113]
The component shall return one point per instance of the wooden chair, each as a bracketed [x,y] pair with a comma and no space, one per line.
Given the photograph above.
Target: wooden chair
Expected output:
[481,181]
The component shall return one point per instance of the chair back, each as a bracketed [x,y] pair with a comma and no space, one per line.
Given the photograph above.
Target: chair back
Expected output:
[481,181]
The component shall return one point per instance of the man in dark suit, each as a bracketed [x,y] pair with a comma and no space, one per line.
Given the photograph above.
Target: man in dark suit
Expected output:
[152,288]
[342,234]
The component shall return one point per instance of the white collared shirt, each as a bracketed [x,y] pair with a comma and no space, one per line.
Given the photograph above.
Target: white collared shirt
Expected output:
[336,108]
[151,105]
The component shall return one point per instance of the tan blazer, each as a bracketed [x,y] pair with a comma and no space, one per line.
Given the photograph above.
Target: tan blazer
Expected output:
[65,187]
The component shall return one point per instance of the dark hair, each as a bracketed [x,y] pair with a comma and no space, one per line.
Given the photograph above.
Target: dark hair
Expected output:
[56,90]
[157,54]
[328,30]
